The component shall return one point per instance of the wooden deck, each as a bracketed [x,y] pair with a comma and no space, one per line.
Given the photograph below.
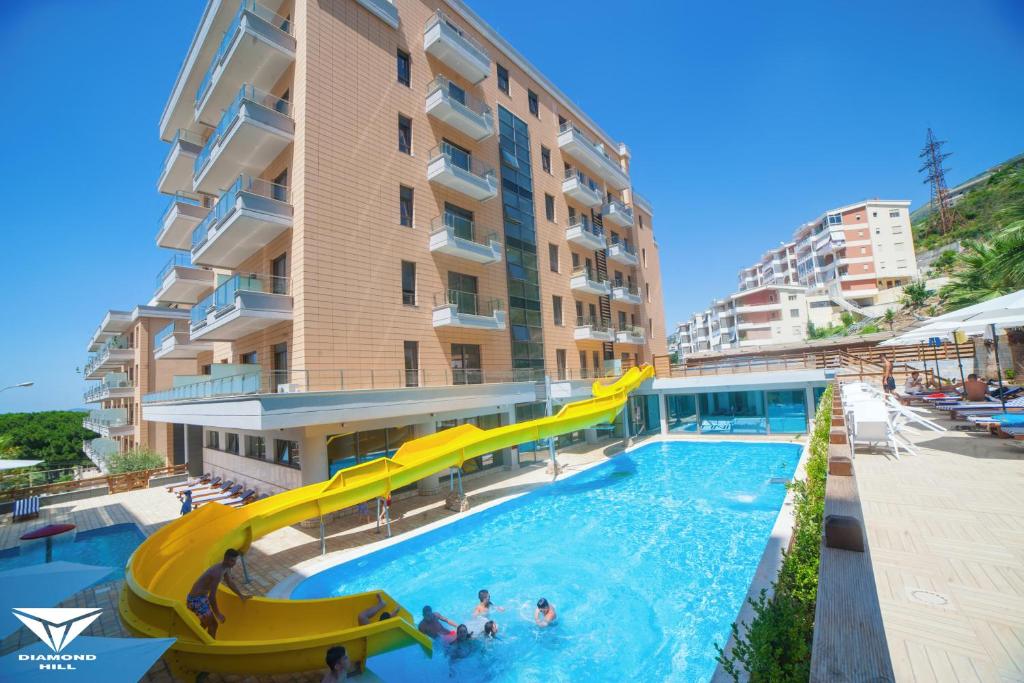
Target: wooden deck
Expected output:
[945,530]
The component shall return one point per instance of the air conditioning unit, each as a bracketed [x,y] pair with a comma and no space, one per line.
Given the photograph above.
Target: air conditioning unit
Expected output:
[288,388]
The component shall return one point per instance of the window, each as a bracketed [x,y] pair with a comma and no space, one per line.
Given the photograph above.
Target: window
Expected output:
[408,283]
[286,453]
[279,186]
[459,156]
[279,274]
[553,257]
[556,309]
[647,289]
[249,358]
[545,159]
[404,134]
[213,440]
[794,313]
[466,364]
[412,363]
[280,356]
[255,447]
[560,363]
[641,221]
[583,363]
[405,205]
[643,252]
[231,442]
[534,103]
[894,213]
[622,320]
[561,121]
[462,291]
[503,85]
[897,229]
[404,68]
[791,297]
[549,207]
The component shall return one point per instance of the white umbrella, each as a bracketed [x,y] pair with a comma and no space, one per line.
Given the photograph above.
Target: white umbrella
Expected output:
[1009,304]
[112,659]
[17,464]
[42,585]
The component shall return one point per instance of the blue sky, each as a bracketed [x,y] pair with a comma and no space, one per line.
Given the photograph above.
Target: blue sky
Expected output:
[744,120]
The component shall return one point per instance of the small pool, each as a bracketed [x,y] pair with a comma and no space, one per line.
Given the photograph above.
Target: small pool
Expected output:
[109,546]
[647,559]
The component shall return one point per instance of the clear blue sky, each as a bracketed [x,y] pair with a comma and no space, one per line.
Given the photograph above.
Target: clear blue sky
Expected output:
[744,120]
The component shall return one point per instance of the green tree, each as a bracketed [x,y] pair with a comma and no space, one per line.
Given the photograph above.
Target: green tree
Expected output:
[915,295]
[53,436]
[7,448]
[889,318]
[986,270]
[135,460]
[945,261]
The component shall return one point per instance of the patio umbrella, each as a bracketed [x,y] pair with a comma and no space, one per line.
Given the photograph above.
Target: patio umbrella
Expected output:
[42,585]
[116,659]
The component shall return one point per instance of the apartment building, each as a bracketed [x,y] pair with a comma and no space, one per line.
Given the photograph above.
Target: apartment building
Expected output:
[853,258]
[387,222]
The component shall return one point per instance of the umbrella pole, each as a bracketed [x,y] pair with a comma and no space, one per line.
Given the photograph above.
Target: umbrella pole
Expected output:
[956,345]
[935,351]
[999,369]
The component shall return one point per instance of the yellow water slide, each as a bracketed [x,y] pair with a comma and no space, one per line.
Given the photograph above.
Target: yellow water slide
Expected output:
[267,636]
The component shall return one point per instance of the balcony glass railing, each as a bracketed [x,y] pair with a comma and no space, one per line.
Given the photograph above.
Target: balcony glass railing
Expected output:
[590,274]
[624,247]
[105,386]
[584,224]
[618,207]
[181,135]
[469,42]
[100,357]
[246,94]
[463,160]
[584,179]
[223,298]
[468,303]
[180,258]
[105,418]
[461,227]
[627,288]
[255,8]
[229,198]
[458,95]
[595,324]
[163,335]
[179,198]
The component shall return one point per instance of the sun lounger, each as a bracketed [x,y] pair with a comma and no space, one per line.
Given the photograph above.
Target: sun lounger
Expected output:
[195,481]
[216,491]
[223,495]
[202,486]
[240,499]
[26,508]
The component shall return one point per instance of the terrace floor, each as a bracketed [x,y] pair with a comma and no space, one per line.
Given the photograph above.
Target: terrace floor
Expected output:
[945,530]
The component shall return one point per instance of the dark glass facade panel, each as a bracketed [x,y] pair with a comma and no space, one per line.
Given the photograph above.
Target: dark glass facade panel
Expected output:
[682,413]
[733,412]
[787,412]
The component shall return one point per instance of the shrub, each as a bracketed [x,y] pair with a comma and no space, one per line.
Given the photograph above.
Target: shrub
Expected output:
[133,461]
[776,645]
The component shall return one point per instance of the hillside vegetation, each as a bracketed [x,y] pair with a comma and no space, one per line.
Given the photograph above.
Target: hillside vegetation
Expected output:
[984,210]
[53,436]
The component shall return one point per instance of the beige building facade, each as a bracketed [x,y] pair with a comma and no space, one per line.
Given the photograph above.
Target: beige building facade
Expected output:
[386,221]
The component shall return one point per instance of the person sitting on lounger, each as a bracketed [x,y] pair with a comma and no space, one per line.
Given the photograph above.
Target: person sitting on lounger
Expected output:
[913,385]
[202,599]
[431,624]
[367,615]
[975,389]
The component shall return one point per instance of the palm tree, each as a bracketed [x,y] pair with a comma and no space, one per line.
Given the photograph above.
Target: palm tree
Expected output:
[986,270]
[915,295]
[889,318]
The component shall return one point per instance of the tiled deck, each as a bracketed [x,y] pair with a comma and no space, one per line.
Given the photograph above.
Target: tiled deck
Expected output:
[271,557]
[946,534]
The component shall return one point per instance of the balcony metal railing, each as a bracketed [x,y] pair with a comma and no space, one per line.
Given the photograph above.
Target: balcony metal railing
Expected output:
[590,274]
[276,20]
[460,227]
[584,224]
[227,200]
[585,180]
[631,290]
[623,246]
[180,258]
[247,93]
[468,303]
[459,96]
[595,324]
[224,296]
[471,43]
[162,335]
[460,159]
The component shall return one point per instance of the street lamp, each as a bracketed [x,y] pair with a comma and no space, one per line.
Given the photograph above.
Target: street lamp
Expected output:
[18,386]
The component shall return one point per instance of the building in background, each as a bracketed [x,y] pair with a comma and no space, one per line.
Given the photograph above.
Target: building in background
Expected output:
[386,222]
[854,259]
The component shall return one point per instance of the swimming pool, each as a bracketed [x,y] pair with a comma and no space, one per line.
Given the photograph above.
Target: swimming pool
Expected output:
[647,558]
[109,546]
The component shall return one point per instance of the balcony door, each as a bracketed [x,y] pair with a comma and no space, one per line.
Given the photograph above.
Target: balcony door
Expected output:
[560,363]
[462,291]
[460,220]
[466,364]
[280,361]
[460,156]
[412,364]
[279,271]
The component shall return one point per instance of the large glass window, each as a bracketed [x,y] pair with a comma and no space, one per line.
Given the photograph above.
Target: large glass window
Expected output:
[255,447]
[733,412]
[404,68]
[682,412]
[286,453]
[644,414]
[408,283]
[466,364]
[787,412]
[355,448]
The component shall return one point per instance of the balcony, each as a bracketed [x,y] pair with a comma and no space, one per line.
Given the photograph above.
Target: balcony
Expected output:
[758,308]
[108,423]
[241,305]
[99,451]
[580,188]
[584,280]
[747,325]
[246,218]
[456,236]
[626,294]
[620,252]
[113,385]
[451,45]
[451,104]
[113,324]
[575,143]
[114,353]
[179,282]
[616,213]
[257,48]
[174,341]
[586,235]
[631,335]
[384,10]
[176,174]
[455,308]
[591,329]
[253,131]
[183,214]
[456,170]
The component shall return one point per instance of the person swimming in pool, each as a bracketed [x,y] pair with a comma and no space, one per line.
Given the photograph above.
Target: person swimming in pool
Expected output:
[463,645]
[545,613]
[367,615]
[485,605]
[431,624]
[491,629]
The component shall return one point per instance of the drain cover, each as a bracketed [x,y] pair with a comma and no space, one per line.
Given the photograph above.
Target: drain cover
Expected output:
[929,597]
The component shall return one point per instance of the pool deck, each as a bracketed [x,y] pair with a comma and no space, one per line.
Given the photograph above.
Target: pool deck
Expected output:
[272,558]
[945,530]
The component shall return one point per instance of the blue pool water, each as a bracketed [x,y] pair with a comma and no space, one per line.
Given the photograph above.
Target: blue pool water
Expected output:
[647,559]
[107,546]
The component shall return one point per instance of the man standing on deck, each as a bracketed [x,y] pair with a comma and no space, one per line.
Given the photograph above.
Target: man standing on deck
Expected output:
[202,599]
[888,378]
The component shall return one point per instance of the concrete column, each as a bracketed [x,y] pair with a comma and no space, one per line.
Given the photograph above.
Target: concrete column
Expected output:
[313,455]
[431,485]
[510,462]
[591,435]
[663,412]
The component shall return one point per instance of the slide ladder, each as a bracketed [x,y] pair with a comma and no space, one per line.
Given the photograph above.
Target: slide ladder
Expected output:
[269,636]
